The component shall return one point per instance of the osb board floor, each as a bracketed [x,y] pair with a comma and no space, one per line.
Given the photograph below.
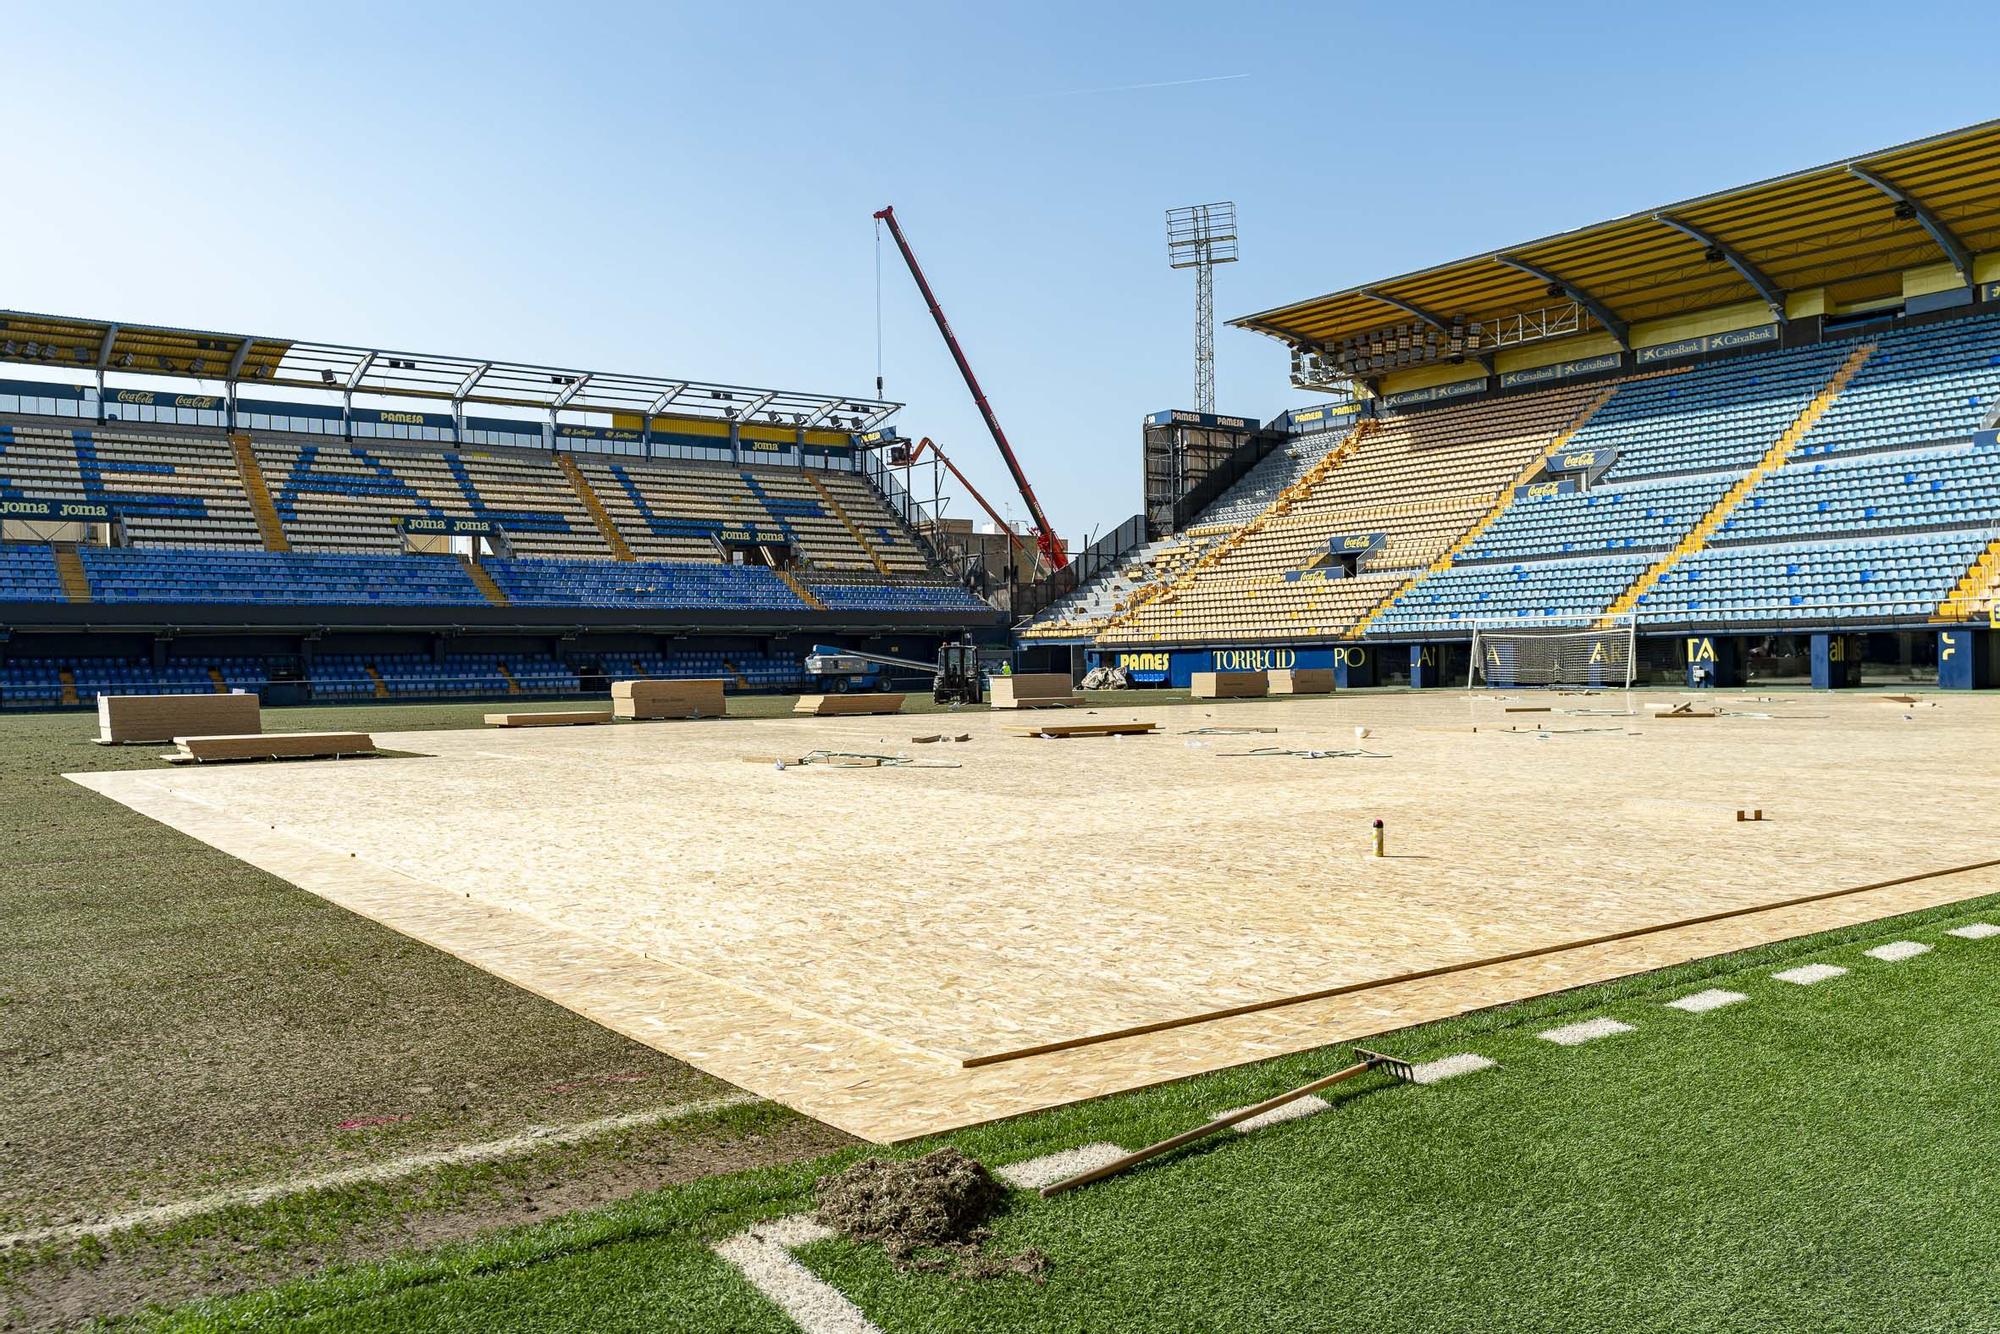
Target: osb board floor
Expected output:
[846,940]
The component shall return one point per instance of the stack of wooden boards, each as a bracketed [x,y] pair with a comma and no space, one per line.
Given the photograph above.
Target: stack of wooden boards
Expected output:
[1034,690]
[550,718]
[1228,685]
[667,699]
[206,728]
[270,746]
[840,706]
[124,720]
[1302,681]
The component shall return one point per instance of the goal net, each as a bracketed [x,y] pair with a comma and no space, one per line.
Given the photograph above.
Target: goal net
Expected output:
[1594,656]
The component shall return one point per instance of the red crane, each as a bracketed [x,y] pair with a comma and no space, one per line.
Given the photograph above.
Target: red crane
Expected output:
[1046,541]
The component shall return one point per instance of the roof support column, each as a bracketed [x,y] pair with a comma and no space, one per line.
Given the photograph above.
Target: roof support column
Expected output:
[1947,240]
[1774,295]
[1613,324]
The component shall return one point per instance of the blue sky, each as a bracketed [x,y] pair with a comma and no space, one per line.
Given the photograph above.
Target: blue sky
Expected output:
[687,189]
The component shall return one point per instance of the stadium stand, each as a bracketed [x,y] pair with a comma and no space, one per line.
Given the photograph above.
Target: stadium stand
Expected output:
[226,527]
[1737,491]
[276,579]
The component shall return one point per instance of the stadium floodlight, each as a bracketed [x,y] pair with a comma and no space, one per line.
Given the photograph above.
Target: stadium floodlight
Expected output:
[1200,236]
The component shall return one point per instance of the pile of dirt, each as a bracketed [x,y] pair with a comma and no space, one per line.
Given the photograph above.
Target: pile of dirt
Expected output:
[929,1214]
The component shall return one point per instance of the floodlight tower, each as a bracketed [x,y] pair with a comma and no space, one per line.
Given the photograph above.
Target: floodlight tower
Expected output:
[1199,237]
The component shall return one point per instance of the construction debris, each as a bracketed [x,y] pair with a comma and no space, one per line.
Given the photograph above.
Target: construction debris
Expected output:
[936,737]
[849,759]
[1107,678]
[1751,817]
[1229,731]
[1057,731]
[929,1214]
[1274,752]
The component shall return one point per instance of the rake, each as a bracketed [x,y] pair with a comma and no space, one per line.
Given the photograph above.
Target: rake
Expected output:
[1369,1060]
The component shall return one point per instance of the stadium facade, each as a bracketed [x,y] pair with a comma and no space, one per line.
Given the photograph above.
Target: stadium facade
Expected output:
[1749,428]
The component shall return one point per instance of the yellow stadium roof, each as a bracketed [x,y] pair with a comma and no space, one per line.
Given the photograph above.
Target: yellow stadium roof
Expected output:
[1833,226]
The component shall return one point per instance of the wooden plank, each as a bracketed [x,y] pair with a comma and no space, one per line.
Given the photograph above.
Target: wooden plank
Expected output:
[668,699]
[124,719]
[271,746]
[1228,685]
[1034,690]
[551,718]
[1053,730]
[844,706]
[1300,681]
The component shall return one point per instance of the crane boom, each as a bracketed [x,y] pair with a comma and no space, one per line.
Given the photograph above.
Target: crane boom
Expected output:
[1046,541]
[928,445]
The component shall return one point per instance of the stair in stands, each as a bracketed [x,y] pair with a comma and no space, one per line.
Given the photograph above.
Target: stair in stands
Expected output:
[1774,458]
[215,679]
[606,527]
[484,581]
[269,527]
[1298,490]
[513,686]
[375,680]
[1486,520]
[874,557]
[69,569]
[68,680]
[1976,592]
[803,593]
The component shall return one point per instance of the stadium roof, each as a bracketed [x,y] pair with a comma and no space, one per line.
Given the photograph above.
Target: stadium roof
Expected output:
[1918,203]
[60,342]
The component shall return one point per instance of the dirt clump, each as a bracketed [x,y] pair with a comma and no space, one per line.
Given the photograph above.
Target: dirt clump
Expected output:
[930,1214]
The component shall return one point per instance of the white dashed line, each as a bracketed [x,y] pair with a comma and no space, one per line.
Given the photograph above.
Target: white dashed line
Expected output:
[1590,1030]
[1975,931]
[1448,1067]
[1898,950]
[1808,974]
[1704,1001]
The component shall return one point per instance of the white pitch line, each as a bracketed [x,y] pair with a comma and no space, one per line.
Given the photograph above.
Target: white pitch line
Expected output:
[1808,974]
[1590,1030]
[1975,931]
[1034,1173]
[1310,1105]
[371,1173]
[1449,1067]
[1701,1002]
[763,1255]
[1898,950]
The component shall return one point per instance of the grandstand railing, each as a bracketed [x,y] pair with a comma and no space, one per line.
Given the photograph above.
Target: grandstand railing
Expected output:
[1103,554]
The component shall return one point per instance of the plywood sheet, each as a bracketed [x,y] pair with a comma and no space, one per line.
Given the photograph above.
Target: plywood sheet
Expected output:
[774,928]
[550,718]
[273,746]
[842,706]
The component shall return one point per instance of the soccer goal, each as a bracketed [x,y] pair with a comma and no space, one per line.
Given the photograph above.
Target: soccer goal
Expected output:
[1572,656]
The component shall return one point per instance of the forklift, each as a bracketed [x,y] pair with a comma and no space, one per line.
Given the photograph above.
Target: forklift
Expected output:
[955,677]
